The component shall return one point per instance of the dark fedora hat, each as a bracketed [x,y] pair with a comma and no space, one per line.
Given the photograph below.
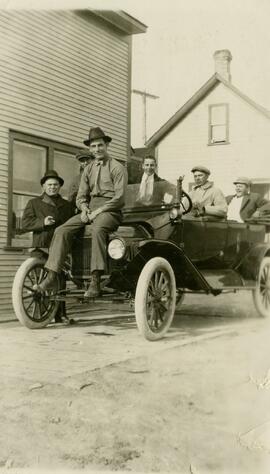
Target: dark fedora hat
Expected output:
[51,174]
[94,134]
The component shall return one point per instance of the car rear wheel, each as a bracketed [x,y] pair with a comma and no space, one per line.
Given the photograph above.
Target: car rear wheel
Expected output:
[33,309]
[261,294]
[155,299]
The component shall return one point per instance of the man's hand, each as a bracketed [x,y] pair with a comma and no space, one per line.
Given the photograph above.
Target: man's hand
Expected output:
[92,215]
[198,208]
[256,215]
[49,220]
[84,216]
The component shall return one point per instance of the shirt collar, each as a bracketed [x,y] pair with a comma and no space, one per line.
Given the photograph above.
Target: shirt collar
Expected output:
[146,177]
[101,162]
[204,186]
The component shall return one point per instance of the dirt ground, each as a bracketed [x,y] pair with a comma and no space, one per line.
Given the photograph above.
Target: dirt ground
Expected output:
[202,406]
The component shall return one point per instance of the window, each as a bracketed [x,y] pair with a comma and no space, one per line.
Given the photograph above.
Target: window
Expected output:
[218,132]
[30,157]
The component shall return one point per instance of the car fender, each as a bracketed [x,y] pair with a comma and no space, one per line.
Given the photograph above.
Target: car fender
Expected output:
[180,262]
[250,265]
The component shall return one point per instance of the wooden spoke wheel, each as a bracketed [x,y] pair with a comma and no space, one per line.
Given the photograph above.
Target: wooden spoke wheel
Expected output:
[261,294]
[33,310]
[155,299]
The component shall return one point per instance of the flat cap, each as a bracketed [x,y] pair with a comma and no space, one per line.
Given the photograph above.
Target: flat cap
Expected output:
[242,180]
[203,169]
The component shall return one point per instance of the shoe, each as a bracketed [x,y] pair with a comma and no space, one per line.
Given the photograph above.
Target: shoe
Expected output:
[47,284]
[94,288]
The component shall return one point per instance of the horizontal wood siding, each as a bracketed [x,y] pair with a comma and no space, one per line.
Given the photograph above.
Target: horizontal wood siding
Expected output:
[60,73]
[246,154]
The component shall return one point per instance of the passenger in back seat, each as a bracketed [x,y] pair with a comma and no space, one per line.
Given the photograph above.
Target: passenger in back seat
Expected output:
[146,195]
[244,204]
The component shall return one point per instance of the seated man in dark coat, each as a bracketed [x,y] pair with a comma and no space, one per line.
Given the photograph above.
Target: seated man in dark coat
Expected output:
[44,213]
[244,204]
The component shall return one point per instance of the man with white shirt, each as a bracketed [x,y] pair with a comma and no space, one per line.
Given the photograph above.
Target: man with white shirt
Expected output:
[245,204]
[149,177]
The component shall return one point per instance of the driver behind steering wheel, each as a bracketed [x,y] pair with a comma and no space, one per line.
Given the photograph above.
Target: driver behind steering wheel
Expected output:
[207,200]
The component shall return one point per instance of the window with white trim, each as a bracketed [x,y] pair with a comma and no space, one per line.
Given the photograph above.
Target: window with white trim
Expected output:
[218,129]
[30,158]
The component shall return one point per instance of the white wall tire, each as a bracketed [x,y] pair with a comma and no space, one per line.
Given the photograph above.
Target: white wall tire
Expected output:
[155,299]
[32,310]
[261,294]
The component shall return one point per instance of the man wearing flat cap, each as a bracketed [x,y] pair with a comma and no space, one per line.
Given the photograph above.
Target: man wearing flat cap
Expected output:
[100,198]
[245,204]
[84,157]
[207,200]
[44,213]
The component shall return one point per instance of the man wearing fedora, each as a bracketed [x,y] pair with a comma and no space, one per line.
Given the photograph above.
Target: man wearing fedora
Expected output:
[100,198]
[44,213]
[245,204]
[84,157]
[207,199]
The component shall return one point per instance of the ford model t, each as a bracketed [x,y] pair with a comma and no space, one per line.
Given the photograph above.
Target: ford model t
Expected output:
[157,255]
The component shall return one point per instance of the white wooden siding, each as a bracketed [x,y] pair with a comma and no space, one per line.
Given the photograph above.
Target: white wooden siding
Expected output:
[247,153]
[60,73]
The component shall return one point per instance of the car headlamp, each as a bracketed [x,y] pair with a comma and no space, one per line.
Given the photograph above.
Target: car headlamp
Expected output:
[116,249]
[174,213]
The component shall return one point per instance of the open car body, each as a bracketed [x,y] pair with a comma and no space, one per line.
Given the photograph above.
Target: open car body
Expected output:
[158,254]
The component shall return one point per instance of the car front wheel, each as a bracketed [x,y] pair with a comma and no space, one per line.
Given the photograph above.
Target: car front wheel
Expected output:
[155,299]
[33,309]
[261,294]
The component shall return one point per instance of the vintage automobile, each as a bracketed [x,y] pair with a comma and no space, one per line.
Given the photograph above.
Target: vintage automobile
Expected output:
[158,254]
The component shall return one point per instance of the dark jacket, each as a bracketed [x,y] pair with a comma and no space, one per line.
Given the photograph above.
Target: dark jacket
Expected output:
[35,212]
[250,203]
[73,190]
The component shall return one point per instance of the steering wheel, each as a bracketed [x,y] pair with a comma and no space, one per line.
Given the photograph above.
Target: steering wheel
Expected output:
[186,208]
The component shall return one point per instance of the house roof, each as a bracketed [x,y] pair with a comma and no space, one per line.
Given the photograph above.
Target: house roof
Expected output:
[122,20]
[194,100]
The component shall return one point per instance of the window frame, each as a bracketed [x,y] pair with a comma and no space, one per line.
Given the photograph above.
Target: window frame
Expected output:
[210,108]
[51,146]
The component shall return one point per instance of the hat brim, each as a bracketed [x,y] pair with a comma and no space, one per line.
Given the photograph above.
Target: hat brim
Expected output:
[44,179]
[241,182]
[200,170]
[106,138]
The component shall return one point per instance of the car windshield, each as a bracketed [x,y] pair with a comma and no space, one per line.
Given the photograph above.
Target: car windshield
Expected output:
[163,193]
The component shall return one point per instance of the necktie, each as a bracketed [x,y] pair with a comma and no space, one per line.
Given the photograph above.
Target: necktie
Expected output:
[96,190]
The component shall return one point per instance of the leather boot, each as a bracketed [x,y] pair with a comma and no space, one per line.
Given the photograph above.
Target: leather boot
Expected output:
[94,287]
[48,284]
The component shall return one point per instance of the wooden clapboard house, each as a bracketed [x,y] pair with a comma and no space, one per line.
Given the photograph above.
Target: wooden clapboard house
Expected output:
[60,73]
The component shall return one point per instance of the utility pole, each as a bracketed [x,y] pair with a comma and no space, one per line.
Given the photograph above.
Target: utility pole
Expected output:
[145,95]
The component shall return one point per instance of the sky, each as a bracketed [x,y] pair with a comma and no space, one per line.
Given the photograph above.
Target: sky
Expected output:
[174,57]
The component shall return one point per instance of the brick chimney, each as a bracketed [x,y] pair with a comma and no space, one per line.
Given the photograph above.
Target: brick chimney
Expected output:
[222,59]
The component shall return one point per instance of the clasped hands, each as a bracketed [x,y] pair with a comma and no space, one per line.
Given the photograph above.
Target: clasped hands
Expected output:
[198,208]
[87,216]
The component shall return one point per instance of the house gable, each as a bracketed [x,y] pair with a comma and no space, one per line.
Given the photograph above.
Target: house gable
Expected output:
[213,82]
[186,144]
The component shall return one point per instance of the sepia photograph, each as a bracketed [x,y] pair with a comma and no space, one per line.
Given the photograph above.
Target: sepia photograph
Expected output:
[135,236]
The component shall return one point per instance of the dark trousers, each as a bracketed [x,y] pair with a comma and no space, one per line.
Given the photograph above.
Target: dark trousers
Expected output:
[103,224]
